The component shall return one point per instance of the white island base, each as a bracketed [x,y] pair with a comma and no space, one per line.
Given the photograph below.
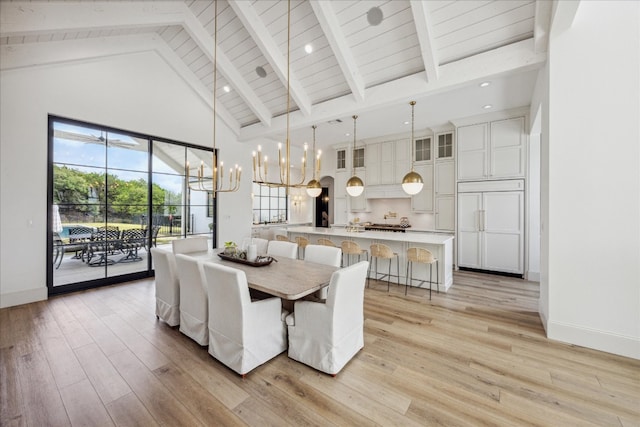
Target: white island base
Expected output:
[441,245]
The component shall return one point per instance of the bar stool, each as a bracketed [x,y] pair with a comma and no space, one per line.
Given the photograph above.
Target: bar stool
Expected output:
[326,242]
[349,248]
[282,238]
[302,243]
[378,250]
[422,256]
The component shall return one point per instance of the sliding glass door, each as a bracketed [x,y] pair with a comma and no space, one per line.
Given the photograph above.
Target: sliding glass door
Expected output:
[113,196]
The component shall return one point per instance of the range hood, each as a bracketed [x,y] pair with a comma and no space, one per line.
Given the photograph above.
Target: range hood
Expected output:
[392,191]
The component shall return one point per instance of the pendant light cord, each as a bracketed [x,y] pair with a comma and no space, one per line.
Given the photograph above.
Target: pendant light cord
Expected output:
[353,155]
[413,143]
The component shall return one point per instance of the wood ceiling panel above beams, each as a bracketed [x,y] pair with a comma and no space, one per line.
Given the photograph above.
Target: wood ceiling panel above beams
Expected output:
[333,32]
[206,42]
[424,30]
[50,18]
[38,54]
[515,58]
[271,52]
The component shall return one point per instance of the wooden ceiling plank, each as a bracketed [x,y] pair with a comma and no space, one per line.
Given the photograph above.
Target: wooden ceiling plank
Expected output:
[204,40]
[333,32]
[424,30]
[515,58]
[269,49]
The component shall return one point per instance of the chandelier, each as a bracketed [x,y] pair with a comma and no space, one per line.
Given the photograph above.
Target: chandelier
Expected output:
[215,183]
[412,182]
[260,163]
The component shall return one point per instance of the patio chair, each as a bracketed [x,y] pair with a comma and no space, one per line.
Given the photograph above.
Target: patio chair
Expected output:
[105,242]
[132,240]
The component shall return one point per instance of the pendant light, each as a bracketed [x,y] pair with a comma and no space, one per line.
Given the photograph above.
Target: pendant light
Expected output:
[214,184]
[355,186]
[313,187]
[412,182]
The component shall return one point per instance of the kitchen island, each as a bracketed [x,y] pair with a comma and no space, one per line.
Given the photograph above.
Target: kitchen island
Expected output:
[441,245]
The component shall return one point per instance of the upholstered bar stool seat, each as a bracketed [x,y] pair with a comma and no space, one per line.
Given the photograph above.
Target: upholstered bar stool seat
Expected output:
[350,248]
[380,251]
[422,256]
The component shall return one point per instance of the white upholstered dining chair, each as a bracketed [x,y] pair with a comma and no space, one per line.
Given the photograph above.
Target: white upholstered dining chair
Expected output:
[327,335]
[194,306]
[167,286]
[282,248]
[321,254]
[190,244]
[242,334]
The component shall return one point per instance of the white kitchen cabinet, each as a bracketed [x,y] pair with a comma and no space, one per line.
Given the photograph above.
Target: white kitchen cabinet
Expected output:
[340,211]
[444,149]
[372,164]
[340,183]
[445,179]
[445,213]
[402,163]
[387,163]
[491,226]
[494,150]
[423,201]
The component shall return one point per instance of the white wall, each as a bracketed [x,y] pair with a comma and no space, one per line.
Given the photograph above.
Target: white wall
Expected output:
[591,208]
[137,92]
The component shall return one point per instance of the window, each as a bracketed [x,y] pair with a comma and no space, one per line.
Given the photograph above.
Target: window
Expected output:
[358,158]
[445,145]
[342,159]
[112,194]
[423,149]
[269,204]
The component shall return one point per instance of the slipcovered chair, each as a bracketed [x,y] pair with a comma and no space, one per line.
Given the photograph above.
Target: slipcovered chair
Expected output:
[326,255]
[327,335]
[194,307]
[167,286]
[190,244]
[242,334]
[281,248]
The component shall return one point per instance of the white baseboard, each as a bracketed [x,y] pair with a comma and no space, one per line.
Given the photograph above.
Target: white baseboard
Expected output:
[622,345]
[9,299]
[533,276]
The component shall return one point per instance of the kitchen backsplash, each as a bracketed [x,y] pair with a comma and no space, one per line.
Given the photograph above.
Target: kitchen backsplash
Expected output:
[381,207]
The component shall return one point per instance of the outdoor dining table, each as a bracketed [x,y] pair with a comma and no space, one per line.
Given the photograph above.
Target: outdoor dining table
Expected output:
[289,279]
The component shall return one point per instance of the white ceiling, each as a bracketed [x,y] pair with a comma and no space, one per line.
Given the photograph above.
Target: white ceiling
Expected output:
[434,52]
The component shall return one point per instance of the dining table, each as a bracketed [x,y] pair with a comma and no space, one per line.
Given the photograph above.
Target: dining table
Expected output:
[288,279]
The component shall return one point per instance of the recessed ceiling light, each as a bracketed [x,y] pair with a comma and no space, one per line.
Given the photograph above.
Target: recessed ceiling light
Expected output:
[347,134]
[374,16]
[406,123]
[261,72]
[226,88]
[486,107]
[485,84]
[308,48]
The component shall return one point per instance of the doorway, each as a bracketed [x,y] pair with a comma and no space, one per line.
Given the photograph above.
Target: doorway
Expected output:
[322,209]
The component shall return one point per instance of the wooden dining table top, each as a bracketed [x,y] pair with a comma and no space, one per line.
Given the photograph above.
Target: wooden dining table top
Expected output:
[286,278]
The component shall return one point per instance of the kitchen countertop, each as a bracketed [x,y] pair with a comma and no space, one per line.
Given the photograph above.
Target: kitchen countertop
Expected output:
[414,237]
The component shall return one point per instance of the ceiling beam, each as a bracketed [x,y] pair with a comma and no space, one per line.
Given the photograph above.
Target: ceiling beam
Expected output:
[424,30]
[338,42]
[206,42]
[37,18]
[14,57]
[563,14]
[542,22]
[263,39]
[514,58]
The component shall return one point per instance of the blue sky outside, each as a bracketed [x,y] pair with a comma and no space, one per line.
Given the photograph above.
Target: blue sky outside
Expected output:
[84,149]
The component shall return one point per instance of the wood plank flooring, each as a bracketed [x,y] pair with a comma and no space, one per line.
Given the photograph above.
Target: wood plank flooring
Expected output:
[477,355]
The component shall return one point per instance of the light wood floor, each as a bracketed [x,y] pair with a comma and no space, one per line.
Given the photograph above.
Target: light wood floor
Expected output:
[474,356]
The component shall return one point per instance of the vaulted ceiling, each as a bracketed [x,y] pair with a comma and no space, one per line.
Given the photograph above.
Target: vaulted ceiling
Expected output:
[368,57]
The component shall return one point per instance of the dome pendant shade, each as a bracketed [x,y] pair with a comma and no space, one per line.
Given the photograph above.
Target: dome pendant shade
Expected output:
[314,188]
[412,183]
[355,186]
